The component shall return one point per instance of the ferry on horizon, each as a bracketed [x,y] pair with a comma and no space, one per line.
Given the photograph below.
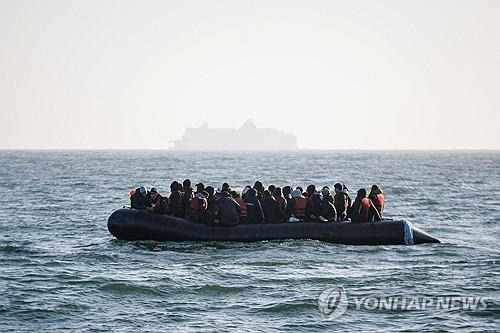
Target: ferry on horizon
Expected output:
[247,137]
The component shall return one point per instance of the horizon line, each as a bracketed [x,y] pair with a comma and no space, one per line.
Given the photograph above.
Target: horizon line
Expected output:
[248,150]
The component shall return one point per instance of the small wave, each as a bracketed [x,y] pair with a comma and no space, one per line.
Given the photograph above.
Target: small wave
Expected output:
[289,307]
[215,288]
[15,249]
[126,288]
[267,263]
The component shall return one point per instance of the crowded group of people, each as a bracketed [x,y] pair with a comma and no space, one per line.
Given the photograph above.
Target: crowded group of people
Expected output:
[260,205]
[225,206]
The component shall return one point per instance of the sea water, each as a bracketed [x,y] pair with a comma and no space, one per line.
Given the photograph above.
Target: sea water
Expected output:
[61,270]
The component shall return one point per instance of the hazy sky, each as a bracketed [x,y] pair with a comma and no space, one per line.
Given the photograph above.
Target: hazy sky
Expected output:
[337,74]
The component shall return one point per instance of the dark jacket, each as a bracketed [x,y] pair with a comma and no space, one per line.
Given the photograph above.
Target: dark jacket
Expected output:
[137,201]
[254,208]
[314,205]
[228,211]
[273,213]
[212,210]
[328,210]
[188,195]
[175,204]
[342,203]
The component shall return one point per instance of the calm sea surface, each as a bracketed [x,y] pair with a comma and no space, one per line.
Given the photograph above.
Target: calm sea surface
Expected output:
[60,269]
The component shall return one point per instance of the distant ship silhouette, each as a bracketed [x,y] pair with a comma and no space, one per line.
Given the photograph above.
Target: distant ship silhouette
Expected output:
[247,137]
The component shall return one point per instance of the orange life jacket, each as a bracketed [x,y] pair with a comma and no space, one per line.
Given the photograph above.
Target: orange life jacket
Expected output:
[379,203]
[194,207]
[243,206]
[365,208]
[299,207]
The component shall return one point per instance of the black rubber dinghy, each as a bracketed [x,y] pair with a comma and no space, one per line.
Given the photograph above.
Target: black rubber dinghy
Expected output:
[131,224]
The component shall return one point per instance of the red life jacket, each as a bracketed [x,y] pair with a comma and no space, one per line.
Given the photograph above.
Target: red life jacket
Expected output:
[299,207]
[194,207]
[365,208]
[379,203]
[243,206]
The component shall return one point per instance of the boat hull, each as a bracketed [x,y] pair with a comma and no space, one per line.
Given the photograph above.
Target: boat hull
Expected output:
[131,224]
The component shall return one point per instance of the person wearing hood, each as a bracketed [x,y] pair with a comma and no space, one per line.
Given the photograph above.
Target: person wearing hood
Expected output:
[260,189]
[363,209]
[198,207]
[139,198]
[228,212]
[245,191]
[342,202]
[273,213]
[328,211]
[254,207]
[378,199]
[298,205]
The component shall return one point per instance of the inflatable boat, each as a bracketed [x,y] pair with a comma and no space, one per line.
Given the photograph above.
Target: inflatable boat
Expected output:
[131,224]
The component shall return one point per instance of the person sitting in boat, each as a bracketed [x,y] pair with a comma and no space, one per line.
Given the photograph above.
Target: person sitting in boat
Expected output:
[225,187]
[260,189]
[278,195]
[377,197]
[156,203]
[200,187]
[363,209]
[341,201]
[287,194]
[176,200]
[314,203]
[298,205]
[271,188]
[211,212]
[273,213]
[301,190]
[328,211]
[188,194]
[254,207]
[245,191]
[139,198]
[228,212]
[244,212]
[198,207]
